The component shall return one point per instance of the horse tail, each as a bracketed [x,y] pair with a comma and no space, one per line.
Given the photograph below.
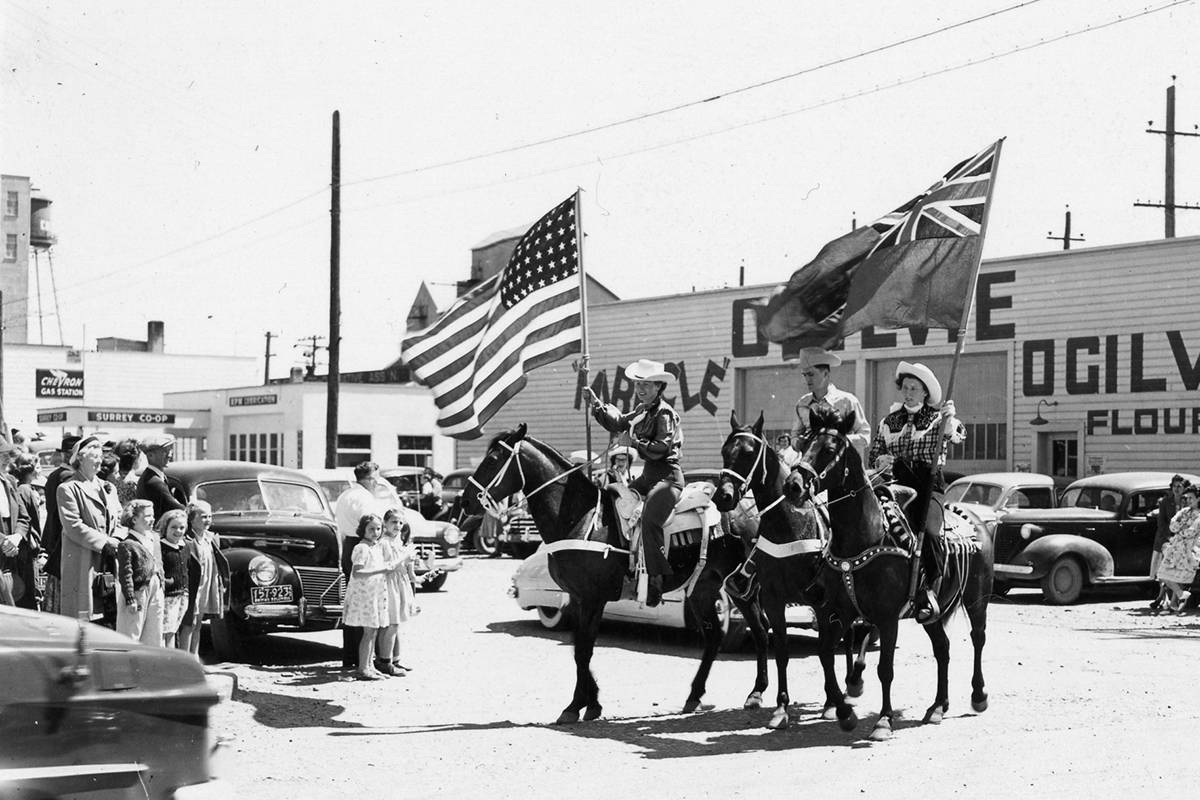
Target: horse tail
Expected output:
[967,565]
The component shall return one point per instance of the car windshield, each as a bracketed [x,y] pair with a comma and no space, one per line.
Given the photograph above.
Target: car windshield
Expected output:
[984,494]
[249,495]
[455,482]
[1092,497]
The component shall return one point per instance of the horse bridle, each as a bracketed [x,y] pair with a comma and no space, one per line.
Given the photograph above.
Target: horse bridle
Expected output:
[485,492]
[760,460]
[817,479]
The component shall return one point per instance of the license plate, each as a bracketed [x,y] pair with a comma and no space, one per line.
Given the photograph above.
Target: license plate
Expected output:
[271,594]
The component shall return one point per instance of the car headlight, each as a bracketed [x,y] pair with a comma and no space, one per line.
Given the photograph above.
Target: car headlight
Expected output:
[263,571]
[451,534]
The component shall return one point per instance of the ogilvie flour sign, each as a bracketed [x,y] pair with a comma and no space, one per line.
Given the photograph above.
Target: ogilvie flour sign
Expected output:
[60,383]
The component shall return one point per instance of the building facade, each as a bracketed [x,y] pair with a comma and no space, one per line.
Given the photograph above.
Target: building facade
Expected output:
[1075,362]
[15,228]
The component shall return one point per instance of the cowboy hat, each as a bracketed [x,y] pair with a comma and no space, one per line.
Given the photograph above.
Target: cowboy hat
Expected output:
[622,450]
[925,375]
[818,357]
[646,370]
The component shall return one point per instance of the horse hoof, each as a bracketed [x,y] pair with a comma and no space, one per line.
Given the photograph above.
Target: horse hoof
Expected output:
[933,716]
[830,713]
[567,718]
[979,706]
[753,700]
[848,722]
[854,689]
[779,720]
[592,712]
[882,731]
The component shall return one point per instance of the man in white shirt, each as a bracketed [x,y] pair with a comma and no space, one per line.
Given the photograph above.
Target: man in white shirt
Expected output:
[352,504]
[815,366]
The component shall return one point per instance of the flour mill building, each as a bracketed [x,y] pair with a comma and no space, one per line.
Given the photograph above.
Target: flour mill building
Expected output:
[1076,362]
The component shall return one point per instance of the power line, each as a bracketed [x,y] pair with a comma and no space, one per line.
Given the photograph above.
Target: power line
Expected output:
[691,103]
[662,145]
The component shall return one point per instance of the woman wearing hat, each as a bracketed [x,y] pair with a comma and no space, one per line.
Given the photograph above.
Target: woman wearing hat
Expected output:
[655,434]
[88,510]
[910,441]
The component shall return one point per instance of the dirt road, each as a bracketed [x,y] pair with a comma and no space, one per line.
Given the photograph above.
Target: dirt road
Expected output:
[1098,699]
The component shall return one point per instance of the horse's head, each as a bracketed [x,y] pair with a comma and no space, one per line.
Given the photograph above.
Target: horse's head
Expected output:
[499,474]
[743,462]
[823,464]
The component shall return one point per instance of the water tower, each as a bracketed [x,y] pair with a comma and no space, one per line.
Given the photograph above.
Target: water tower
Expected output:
[41,240]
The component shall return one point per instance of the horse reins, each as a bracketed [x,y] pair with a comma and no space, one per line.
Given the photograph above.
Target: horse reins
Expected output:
[489,504]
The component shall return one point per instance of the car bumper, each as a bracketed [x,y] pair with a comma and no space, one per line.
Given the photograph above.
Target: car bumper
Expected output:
[441,565]
[292,613]
[519,538]
[1014,570]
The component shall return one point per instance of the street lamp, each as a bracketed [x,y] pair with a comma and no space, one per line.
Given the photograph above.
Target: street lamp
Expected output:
[1039,419]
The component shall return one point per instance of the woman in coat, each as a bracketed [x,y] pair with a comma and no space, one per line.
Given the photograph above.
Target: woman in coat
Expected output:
[654,431]
[88,510]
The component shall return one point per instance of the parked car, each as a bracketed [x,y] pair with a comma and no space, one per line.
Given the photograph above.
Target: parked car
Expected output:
[1102,533]
[991,494]
[87,712]
[337,480]
[533,588]
[281,541]
[518,535]
[406,481]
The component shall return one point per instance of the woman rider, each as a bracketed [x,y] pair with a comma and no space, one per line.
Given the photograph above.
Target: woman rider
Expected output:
[910,440]
[655,433]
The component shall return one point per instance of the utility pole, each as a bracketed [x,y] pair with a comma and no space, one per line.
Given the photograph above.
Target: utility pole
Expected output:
[1168,205]
[1066,238]
[267,359]
[311,344]
[333,380]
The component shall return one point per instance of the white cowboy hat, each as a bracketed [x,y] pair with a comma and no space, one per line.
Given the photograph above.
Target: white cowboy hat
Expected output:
[646,370]
[818,357]
[622,450]
[582,456]
[925,375]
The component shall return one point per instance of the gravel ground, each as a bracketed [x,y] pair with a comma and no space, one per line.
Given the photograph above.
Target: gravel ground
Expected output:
[1084,699]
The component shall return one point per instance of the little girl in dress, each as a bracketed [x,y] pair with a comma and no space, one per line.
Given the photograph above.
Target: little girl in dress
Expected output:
[367,593]
[171,527]
[401,601]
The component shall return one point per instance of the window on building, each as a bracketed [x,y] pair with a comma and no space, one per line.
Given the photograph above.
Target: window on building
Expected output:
[10,247]
[353,448]
[414,451]
[986,441]
[261,448]
[12,204]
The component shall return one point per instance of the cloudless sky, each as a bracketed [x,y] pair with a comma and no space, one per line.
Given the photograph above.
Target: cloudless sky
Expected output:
[186,146]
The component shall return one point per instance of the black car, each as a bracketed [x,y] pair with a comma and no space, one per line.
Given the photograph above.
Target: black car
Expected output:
[87,712]
[280,538]
[1102,533]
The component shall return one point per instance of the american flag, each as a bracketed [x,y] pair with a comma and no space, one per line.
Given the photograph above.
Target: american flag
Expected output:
[475,357]
[912,267]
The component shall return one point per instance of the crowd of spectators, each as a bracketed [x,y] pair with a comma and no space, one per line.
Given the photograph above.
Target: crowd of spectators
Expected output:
[102,538]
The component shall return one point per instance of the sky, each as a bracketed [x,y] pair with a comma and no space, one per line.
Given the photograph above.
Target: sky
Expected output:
[186,146]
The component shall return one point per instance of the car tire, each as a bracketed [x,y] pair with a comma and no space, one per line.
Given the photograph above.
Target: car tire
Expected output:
[434,585]
[484,542]
[555,619]
[1063,584]
[228,639]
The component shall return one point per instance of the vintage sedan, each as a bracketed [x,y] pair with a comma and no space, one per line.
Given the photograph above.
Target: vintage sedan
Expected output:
[282,544]
[533,588]
[1102,533]
[991,494]
[86,712]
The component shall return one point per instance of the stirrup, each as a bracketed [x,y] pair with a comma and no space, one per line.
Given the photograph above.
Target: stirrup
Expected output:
[930,610]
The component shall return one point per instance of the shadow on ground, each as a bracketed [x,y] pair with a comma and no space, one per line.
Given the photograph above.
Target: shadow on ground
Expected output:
[690,735]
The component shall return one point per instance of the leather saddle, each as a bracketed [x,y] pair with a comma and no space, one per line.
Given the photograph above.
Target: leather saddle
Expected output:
[693,511]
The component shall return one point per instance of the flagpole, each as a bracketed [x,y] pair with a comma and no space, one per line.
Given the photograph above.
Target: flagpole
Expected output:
[585,356]
[983,226]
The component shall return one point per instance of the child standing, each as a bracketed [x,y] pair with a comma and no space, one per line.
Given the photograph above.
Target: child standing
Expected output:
[171,527]
[401,601]
[367,593]
[139,576]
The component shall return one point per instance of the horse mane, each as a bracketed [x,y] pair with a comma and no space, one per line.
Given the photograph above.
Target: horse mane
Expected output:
[547,450]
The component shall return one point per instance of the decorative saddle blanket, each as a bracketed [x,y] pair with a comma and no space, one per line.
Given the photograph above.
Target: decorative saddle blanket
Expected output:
[694,512]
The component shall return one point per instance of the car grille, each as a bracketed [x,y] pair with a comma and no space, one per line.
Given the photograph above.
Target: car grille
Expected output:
[427,550]
[523,525]
[1008,544]
[322,585]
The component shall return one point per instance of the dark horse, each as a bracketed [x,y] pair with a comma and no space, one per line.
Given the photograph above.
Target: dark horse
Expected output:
[589,561]
[787,556]
[865,578]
